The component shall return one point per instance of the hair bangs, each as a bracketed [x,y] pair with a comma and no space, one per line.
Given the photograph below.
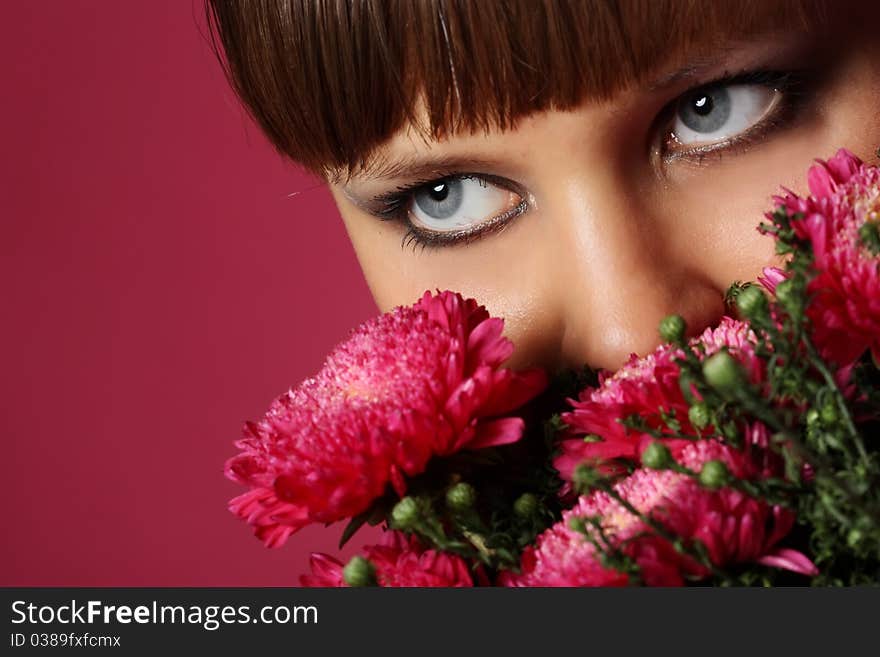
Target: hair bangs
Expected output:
[329,81]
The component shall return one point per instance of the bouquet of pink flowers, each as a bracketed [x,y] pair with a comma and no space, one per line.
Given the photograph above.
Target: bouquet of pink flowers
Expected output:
[748,455]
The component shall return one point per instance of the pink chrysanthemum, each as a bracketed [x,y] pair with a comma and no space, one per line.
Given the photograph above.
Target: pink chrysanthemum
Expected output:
[399,562]
[733,527]
[644,386]
[414,383]
[845,311]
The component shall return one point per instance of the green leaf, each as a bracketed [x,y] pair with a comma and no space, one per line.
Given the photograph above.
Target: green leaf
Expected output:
[353,525]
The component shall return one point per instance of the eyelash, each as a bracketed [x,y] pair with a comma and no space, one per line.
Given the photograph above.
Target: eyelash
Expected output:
[793,85]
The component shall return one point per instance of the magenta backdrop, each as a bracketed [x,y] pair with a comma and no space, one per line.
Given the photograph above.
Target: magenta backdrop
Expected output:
[160,288]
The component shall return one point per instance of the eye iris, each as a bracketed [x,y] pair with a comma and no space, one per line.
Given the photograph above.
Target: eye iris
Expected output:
[440,200]
[706,111]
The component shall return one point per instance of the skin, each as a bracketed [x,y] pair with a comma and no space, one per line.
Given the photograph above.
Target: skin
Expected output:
[617,235]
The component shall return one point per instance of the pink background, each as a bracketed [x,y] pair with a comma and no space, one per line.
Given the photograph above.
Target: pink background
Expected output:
[159,289]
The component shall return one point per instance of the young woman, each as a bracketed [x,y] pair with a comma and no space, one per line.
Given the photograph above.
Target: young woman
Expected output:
[581,167]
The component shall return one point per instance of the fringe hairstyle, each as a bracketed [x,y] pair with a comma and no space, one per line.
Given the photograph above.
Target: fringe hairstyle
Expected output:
[329,81]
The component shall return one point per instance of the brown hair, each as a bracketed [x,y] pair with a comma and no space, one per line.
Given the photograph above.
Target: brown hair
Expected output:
[330,80]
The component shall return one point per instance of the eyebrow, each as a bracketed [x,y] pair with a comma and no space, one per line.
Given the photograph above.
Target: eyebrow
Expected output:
[420,167]
[695,66]
[698,63]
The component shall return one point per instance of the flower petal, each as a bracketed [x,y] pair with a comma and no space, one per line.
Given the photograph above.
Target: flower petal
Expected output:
[792,560]
[497,432]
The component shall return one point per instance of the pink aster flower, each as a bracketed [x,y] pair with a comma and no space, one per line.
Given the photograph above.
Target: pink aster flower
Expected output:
[845,311]
[771,277]
[414,383]
[734,528]
[644,386]
[399,562]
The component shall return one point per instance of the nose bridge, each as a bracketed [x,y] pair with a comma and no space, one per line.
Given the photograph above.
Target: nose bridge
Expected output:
[619,279]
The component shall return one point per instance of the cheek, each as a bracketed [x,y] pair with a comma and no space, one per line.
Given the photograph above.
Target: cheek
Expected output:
[712,215]
[379,252]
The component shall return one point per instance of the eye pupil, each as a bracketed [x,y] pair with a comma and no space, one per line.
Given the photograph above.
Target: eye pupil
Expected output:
[439,192]
[703,105]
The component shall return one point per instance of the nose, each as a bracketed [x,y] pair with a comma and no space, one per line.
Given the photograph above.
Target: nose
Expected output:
[624,267]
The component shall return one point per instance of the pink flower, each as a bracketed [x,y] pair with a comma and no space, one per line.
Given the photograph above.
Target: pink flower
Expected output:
[412,384]
[733,527]
[845,311]
[772,276]
[644,386]
[399,562]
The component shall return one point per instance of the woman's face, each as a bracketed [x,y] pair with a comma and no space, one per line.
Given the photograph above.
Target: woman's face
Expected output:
[584,228]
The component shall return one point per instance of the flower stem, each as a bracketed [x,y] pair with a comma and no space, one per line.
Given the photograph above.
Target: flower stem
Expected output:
[697,554]
[817,362]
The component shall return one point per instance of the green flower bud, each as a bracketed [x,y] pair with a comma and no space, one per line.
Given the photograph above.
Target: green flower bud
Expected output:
[723,373]
[829,411]
[461,497]
[814,423]
[585,478]
[525,505]
[699,415]
[714,474]
[785,292]
[657,457]
[672,328]
[405,513]
[732,293]
[791,298]
[869,236]
[578,524]
[731,433]
[854,537]
[359,572]
[752,302]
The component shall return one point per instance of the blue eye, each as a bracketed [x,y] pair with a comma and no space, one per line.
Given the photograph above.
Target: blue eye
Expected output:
[459,203]
[440,200]
[717,113]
